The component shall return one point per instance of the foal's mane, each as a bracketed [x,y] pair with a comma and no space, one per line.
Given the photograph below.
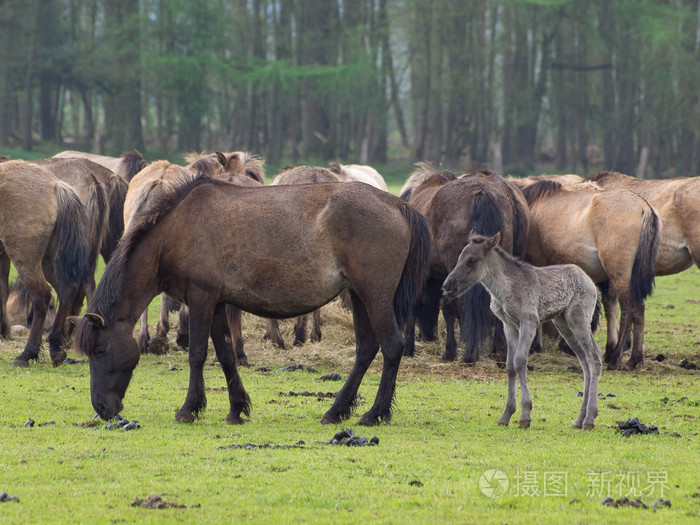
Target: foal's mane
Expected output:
[478,238]
[540,189]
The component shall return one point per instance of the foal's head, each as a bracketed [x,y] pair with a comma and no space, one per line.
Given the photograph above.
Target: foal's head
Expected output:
[470,267]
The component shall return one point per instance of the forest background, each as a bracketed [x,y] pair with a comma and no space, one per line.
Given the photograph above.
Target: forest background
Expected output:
[515,85]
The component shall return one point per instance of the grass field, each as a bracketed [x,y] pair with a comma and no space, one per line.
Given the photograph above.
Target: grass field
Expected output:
[442,459]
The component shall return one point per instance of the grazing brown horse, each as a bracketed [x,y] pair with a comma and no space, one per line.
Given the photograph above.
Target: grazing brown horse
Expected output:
[483,203]
[44,232]
[248,255]
[613,236]
[300,175]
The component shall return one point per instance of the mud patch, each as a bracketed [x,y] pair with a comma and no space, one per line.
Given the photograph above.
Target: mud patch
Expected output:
[156,502]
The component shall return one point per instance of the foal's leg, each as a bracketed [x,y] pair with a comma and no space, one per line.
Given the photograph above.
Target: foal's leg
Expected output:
[564,325]
[163,326]
[511,333]
[201,313]
[527,334]
[4,291]
[238,397]
[366,348]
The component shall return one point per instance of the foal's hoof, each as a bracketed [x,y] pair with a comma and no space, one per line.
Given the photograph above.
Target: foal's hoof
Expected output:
[183,416]
[524,424]
[58,357]
[21,361]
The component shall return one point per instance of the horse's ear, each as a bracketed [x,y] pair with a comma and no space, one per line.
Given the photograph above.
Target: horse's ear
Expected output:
[221,158]
[95,320]
[72,320]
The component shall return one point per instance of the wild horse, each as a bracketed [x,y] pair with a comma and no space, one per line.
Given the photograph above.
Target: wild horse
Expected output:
[275,252]
[523,296]
[44,232]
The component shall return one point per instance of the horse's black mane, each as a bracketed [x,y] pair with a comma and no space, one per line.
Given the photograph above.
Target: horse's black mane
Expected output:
[112,284]
[540,189]
[132,162]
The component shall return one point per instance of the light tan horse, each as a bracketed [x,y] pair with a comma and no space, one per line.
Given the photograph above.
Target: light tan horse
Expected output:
[114,164]
[677,202]
[613,236]
[44,232]
[359,173]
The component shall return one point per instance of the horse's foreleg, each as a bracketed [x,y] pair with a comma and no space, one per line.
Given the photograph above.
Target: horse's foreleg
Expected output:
[182,338]
[163,326]
[143,332]
[201,312]
[58,328]
[511,334]
[238,398]
[527,334]
[428,310]
[366,348]
[234,320]
[637,355]
[450,311]
[273,333]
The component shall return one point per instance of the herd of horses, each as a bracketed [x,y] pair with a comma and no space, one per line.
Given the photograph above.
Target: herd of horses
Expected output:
[498,256]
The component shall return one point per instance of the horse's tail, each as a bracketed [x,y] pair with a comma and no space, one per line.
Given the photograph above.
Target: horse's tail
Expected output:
[596,314]
[132,162]
[415,270]
[116,218]
[642,280]
[486,219]
[97,211]
[72,249]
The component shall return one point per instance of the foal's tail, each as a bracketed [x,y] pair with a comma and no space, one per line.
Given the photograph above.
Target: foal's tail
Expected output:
[642,280]
[71,254]
[415,270]
[486,219]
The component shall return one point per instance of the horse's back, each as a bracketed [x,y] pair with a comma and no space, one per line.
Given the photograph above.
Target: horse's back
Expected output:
[111,163]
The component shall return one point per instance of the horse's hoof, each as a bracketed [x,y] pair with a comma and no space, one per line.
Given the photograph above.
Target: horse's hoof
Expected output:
[330,420]
[630,365]
[524,424]
[242,361]
[576,424]
[21,361]
[588,426]
[58,357]
[183,340]
[448,357]
[503,423]
[183,416]
[369,421]
[232,419]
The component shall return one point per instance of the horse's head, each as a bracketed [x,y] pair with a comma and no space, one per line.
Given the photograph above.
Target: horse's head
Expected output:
[113,353]
[469,269]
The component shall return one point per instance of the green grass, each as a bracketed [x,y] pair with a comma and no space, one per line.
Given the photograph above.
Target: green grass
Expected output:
[443,435]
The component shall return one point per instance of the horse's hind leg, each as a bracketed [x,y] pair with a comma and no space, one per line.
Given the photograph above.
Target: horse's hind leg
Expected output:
[39,293]
[366,348]
[143,332]
[316,332]
[611,308]
[163,326]
[182,337]
[238,397]
[300,330]
[234,320]
[637,319]
[201,313]
[450,311]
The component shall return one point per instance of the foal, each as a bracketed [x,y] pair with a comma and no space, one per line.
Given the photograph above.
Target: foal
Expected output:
[523,296]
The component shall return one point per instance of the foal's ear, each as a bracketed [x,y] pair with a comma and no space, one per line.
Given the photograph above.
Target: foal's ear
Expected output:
[95,320]
[493,241]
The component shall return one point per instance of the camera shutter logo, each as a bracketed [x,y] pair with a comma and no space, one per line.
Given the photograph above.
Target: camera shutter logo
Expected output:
[493,483]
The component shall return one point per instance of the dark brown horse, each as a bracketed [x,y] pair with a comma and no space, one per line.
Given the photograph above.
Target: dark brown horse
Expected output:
[248,254]
[613,236]
[44,232]
[483,203]
[300,175]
